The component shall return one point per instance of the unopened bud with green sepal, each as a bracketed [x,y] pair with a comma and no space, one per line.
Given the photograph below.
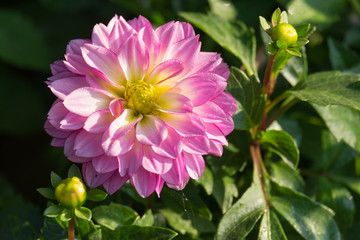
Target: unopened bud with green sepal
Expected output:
[71,193]
[284,32]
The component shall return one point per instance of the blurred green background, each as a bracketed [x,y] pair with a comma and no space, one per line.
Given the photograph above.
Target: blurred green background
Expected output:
[35,33]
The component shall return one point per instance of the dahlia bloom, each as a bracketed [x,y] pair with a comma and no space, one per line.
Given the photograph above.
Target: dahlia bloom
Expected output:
[140,104]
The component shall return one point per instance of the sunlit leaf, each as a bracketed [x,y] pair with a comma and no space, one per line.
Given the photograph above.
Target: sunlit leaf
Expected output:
[139,232]
[96,195]
[270,227]
[83,213]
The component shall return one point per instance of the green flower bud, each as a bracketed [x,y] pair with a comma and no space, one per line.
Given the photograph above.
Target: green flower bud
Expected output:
[284,32]
[71,193]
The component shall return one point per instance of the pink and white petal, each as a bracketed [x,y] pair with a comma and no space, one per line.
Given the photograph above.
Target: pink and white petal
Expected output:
[159,185]
[151,130]
[198,90]
[105,61]
[187,125]
[74,46]
[174,103]
[104,164]
[222,69]
[144,182]
[115,182]
[85,101]
[98,122]
[215,78]
[216,148]
[116,107]
[139,22]
[151,40]
[187,29]
[185,50]
[165,70]
[98,80]
[134,58]
[226,102]
[58,67]
[210,112]
[57,113]
[155,163]
[226,126]
[195,165]
[171,147]
[92,177]
[130,162]
[58,142]
[214,133]
[118,145]
[61,75]
[176,174]
[72,121]
[55,132]
[196,145]
[119,33]
[100,35]
[183,183]
[63,87]
[88,144]
[76,64]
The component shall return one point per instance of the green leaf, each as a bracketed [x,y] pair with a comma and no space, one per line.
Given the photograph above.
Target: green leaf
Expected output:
[310,219]
[146,220]
[248,92]
[53,231]
[47,192]
[53,211]
[351,182]
[74,171]
[55,179]
[114,215]
[264,24]
[339,199]
[330,88]
[22,44]
[224,191]
[281,44]
[303,30]
[236,38]
[207,181]
[180,223]
[223,8]
[270,227]
[83,213]
[282,144]
[87,228]
[296,69]
[241,218]
[275,17]
[341,57]
[96,235]
[286,176]
[96,195]
[293,51]
[283,17]
[67,215]
[138,232]
[343,123]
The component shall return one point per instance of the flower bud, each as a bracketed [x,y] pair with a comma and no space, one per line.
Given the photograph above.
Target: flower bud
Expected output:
[284,32]
[71,193]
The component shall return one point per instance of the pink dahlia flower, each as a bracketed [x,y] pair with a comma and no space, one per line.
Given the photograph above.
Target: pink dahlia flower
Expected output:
[140,104]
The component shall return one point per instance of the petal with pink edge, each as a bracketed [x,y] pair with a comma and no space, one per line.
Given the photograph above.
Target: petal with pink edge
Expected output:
[118,145]
[195,165]
[226,102]
[175,175]
[155,163]
[134,58]
[144,182]
[88,144]
[165,70]
[226,126]
[85,101]
[93,178]
[151,130]
[54,132]
[74,46]
[130,162]
[116,107]
[98,122]
[105,61]
[58,67]
[210,112]
[214,133]
[216,148]
[63,87]
[196,145]
[174,103]
[76,64]
[171,146]
[104,164]
[115,182]
[159,185]
[98,80]
[139,22]
[100,35]
[72,121]
[151,40]
[185,50]
[56,113]
[69,149]
[187,125]
[119,33]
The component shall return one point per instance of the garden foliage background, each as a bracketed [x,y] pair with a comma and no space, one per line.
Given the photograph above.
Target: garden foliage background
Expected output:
[34,33]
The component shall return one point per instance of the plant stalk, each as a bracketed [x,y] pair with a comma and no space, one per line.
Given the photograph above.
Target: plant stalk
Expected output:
[71,229]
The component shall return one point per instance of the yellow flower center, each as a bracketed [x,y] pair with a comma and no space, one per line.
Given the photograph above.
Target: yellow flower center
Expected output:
[141,97]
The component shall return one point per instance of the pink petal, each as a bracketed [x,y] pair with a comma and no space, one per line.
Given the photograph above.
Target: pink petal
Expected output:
[55,132]
[76,64]
[170,147]
[226,102]
[58,67]
[104,164]
[177,176]
[226,126]
[93,178]
[210,62]
[72,121]
[58,142]
[139,22]
[98,122]
[165,70]
[144,182]
[98,80]
[130,162]
[174,103]
[114,183]
[215,78]
[214,133]
[187,125]
[196,145]
[105,61]
[100,35]
[85,101]
[151,131]
[69,149]
[119,33]
[210,112]
[88,144]
[118,145]
[216,148]
[195,165]
[134,58]
[185,50]
[64,86]
[116,107]
[151,40]
[74,46]
[155,163]
[159,185]
[56,113]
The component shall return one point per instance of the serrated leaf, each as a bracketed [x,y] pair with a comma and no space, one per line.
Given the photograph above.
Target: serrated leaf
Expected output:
[293,51]
[234,37]
[282,144]
[74,171]
[264,24]
[286,176]
[241,218]
[53,211]
[47,192]
[270,227]
[248,92]
[341,57]
[310,219]
[96,195]
[330,88]
[55,179]
[114,215]
[67,215]
[275,17]
[138,232]
[83,213]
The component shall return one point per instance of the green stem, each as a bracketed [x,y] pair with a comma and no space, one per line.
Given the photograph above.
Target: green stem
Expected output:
[289,103]
[71,229]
